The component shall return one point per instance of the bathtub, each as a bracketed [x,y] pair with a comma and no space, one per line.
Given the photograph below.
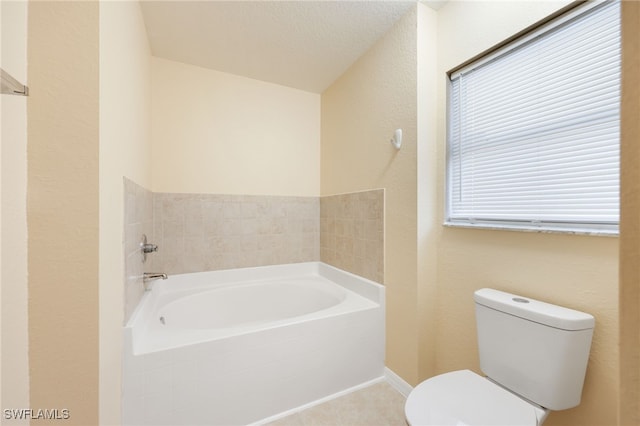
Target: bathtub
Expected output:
[243,346]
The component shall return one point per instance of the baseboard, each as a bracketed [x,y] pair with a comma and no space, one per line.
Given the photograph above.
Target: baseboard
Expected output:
[397,382]
[319,401]
[389,376]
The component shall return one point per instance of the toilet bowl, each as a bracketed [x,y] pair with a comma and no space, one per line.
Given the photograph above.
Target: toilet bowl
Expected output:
[534,355]
[466,398]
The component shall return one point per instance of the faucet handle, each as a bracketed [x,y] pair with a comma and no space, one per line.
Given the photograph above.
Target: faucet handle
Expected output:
[147,248]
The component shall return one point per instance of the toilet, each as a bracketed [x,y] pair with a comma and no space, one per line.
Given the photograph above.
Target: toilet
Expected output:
[534,356]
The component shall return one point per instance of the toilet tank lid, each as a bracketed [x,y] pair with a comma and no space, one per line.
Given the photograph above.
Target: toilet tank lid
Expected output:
[534,310]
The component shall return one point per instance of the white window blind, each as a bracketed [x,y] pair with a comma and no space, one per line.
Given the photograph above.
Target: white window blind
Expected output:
[534,129]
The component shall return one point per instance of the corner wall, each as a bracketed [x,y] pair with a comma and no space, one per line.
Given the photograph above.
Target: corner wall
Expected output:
[360,112]
[125,150]
[428,192]
[13,251]
[629,405]
[62,207]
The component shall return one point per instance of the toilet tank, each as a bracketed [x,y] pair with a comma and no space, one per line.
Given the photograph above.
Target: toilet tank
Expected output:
[535,349]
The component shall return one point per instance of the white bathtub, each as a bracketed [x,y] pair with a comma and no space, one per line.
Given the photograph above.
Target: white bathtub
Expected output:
[238,346]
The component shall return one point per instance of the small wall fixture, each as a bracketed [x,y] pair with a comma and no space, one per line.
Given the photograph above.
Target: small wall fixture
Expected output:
[396,141]
[146,248]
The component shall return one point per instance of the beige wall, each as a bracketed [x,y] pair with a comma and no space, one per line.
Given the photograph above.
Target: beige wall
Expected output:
[575,271]
[62,207]
[428,192]
[629,406]
[360,111]
[219,133]
[13,178]
[125,150]
[1,251]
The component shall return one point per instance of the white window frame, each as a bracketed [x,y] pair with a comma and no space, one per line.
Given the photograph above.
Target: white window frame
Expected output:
[451,219]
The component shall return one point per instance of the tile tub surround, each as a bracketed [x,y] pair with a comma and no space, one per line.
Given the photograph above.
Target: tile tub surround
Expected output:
[207,232]
[138,220]
[352,233]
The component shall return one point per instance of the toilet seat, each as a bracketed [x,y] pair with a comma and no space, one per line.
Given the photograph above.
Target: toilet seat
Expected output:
[466,398]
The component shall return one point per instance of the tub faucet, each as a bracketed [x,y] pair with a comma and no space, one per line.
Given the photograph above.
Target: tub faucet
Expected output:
[151,276]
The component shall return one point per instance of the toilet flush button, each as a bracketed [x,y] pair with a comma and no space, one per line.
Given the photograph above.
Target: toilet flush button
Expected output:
[520,300]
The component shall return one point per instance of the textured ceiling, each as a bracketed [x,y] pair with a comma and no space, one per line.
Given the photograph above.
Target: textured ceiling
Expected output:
[302,44]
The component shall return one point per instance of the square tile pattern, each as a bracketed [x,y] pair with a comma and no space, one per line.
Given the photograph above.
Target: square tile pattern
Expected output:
[352,233]
[138,220]
[207,232]
[376,405]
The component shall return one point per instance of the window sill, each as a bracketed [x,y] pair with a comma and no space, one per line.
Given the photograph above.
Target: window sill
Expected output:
[535,229]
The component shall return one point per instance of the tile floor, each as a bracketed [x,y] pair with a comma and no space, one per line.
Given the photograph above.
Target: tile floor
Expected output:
[376,405]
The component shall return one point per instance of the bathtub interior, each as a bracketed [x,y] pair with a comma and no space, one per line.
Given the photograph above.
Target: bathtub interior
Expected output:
[185,309]
[246,304]
[243,373]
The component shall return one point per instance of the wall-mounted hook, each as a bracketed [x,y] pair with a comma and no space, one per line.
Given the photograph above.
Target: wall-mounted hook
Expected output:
[396,141]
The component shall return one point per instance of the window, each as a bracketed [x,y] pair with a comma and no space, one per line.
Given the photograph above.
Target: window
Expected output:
[533,129]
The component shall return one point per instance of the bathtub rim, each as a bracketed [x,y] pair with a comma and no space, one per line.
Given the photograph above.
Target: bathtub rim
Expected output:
[356,283]
[363,287]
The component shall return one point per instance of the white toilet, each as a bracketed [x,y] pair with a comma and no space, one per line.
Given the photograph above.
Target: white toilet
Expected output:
[534,355]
